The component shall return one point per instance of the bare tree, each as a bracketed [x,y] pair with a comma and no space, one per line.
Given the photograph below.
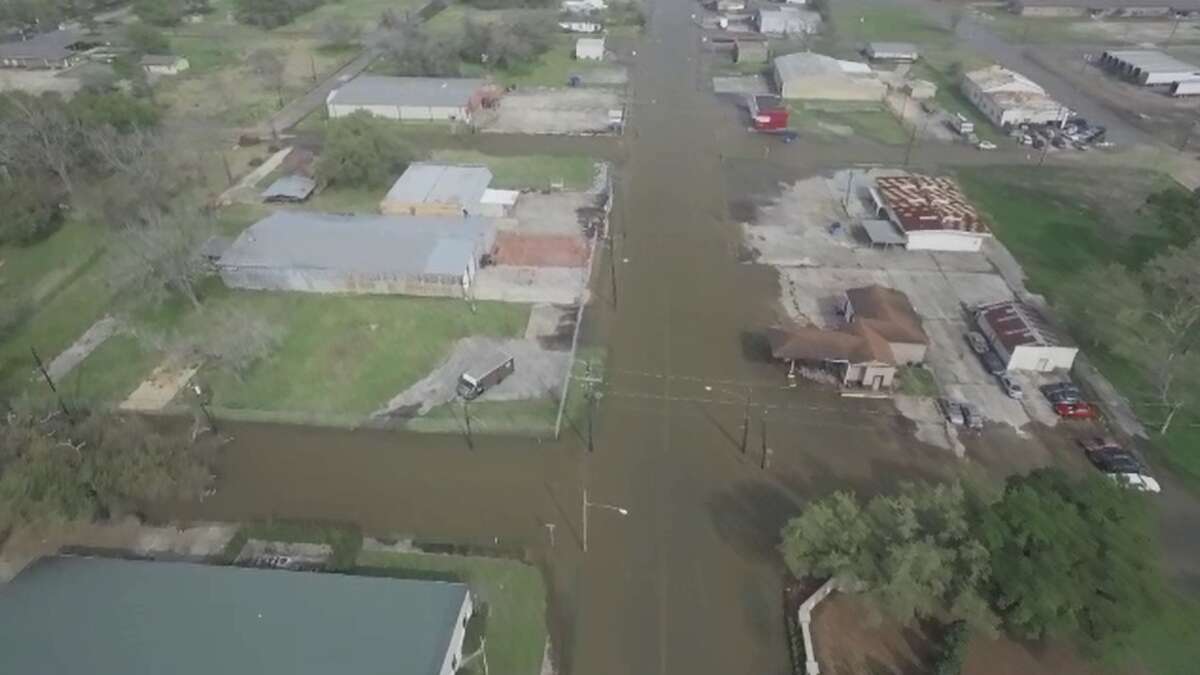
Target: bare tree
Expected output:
[338,33]
[1173,313]
[39,132]
[238,338]
[268,67]
[158,251]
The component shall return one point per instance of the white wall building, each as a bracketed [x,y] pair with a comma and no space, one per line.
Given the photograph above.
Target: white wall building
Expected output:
[1008,98]
[807,75]
[1021,337]
[589,49]
[424,99]
[787,21]
[931,212]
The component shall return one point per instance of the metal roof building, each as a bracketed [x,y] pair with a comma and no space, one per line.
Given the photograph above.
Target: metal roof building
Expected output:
[1022,338]
[407,98]
[75,616]
[56,49]
[1101,8]
[1148,66]
[1008,98]
[932,212]
[291,188]
[808,75]
[426,188]
[892,51]
[328,253]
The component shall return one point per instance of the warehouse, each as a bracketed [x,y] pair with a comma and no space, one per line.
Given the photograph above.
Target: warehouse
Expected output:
[589,49]
[784,21]
[1148,67]
[422,99]
[807,75]
[427,189]
[1008,98]
[54,50]
[76,615]
[1105,8]
[903,52]
[931,212]
[1021,337]
[327,253]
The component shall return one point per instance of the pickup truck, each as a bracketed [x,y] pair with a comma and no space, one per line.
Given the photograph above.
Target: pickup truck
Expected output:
[488,370]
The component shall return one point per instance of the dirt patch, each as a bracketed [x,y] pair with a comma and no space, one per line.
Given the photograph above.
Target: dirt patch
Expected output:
[579,111]
[540,250]
[161,387]
[552,326]
[537,374]
[930,126]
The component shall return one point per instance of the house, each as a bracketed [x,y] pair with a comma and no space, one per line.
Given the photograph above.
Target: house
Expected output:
[724,6]
[1008,98]
[584,6]
[1148,67]
[329,253]
[921,90]
[591,49]
[903,52]
[421,99]
[750,51]
[580,26]
[48,51]
[1105,8]
[932,214]
[889,313]
[854,356]
[292,189]
[783,21]
[1022,338]
[164,64]
[144,616]
[428,189]
[807,75]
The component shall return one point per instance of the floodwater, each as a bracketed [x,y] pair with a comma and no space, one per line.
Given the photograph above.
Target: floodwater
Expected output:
[696,436]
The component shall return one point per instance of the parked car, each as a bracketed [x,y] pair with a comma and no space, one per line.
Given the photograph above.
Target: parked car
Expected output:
[1062,392]
[986,145]
[972,417]
[1121,466]
[979,344]
[992,363]
[1079,410]
[1011,387]
[487,371]
[952,411]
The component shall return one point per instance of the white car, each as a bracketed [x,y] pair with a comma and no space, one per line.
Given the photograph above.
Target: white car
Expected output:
[1136,481]
[986,145]
[1011,387]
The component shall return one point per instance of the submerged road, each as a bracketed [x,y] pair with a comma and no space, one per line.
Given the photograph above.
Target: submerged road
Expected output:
[689,582]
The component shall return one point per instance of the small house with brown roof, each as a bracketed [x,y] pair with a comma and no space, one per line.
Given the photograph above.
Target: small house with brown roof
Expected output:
[888,312]
[855,355]
[931,212]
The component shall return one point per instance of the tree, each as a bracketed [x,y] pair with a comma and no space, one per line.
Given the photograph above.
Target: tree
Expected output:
[338,33]
[32,209]
[146,39]
[1070,558]
[112,109]
[272,13]
[38,134]
[268,67]
[412,51]
[1166,346]
[913,552]
[507,44]
[161,12]
[158,251]
[1102,325]
[362,151]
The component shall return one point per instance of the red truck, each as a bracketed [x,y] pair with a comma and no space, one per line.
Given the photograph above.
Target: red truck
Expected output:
[768,113]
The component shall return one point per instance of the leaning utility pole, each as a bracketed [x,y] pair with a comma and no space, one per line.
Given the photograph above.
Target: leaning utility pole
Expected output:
[590,384]
[49,382]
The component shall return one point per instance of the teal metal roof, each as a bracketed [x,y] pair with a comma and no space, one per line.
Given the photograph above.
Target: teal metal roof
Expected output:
[99,616]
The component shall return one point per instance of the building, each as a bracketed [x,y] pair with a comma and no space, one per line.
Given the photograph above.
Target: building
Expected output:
[1148,67]
[854,356]
[427,189]
[750,51]
[1105,8]
[580,26]
[1022,338]
[54,50]
[1186,88]
[807,75]
[164,64]
[328,253]
[584,6]
[768,113]
[723,6]
[889,313]
[98,615]
[783,21]
[931,213]
[291,189]
[922,90]
[589,49]
[903,52]
[422,99]
[1008,98]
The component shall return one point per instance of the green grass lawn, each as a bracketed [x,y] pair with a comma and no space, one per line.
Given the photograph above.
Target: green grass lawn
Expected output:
[364,13]
[916,381]
[1058,222]
[335,199]
[527,171]
[1165,645]
[860,21]
[865,119]
[513,592]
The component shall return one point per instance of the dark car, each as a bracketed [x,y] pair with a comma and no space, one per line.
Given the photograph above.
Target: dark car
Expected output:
[1062,392]
[992,363]
[788,136]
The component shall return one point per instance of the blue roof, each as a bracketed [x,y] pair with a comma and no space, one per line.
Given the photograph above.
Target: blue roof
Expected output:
[98,616]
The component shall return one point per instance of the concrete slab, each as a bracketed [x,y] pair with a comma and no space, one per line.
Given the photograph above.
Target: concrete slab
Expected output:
[577,111]
[556,285]
[550,213]
[745,85]
[79,350]
[163,385]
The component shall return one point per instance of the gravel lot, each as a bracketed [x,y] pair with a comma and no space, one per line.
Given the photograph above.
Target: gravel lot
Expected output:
[552,111]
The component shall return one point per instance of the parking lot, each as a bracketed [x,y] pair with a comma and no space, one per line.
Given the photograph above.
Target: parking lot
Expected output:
[579,111]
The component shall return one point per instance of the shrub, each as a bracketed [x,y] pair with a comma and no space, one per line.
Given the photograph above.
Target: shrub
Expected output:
[362,151]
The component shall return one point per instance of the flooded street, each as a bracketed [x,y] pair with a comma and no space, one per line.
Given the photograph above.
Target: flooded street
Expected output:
[688,582]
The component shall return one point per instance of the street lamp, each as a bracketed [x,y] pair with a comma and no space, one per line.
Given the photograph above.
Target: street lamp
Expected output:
[596,505]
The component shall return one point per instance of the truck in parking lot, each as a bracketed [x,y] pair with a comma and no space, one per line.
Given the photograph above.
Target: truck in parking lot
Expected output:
[487,371]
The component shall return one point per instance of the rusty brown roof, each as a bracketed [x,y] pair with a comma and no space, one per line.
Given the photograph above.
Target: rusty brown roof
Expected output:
[857,343]
[920,202]
[1016,323]
[888,312]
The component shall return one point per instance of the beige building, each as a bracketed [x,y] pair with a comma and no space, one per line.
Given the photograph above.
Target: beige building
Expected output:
[427,189]
[1008,98]
[807,75]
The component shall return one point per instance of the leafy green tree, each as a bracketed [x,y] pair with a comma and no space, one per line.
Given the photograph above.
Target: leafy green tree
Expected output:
[113,109]
[272,13]
[146,39]
[31,209]
[1070,558]
[161,12]
[362,151]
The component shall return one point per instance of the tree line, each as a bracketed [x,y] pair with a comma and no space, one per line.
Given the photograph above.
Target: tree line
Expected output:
[504,43]
[1049,557]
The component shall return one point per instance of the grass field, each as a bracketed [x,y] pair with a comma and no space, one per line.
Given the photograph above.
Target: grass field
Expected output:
[1058,222]
[864,119]
[513,592]
[859,21]
[346,200]
[527,171]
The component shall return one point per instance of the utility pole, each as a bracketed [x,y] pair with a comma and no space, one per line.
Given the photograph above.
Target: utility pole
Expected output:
[763,420]
[591,394]
[746,421]
[612,263]
[49,382]
[467,417]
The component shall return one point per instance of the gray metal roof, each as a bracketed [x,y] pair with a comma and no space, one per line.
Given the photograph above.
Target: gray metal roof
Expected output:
[294,186]
[883,232]
[424,183]
[52,46]
[804,64]
[416,91]
[1152,61]
[83,616]
[361,244]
